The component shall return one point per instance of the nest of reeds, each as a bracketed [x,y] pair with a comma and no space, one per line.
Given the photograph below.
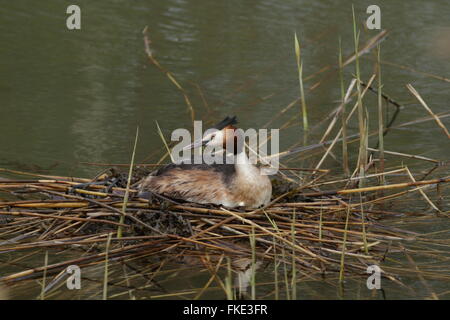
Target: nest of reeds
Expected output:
[307,228]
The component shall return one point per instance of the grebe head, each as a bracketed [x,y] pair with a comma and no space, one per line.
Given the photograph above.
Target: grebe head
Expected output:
[217,136]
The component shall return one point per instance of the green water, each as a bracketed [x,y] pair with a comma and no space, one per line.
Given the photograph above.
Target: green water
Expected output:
[74,96]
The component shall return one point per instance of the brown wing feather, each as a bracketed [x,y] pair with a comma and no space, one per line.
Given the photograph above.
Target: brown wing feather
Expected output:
[195,185]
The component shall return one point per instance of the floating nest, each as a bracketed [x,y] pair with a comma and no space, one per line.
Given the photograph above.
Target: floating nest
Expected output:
[310,230]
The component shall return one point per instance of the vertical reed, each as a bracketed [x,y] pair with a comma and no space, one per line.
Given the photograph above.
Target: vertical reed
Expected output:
[275,263]
[253,266]
[343,114]
[105,276]
[320,222]
[380,117]
[127,191]
[363,223]
[286,281]
[44,277]
[300,79]
[342,267]
[294,270]
[362,121]
[228,281]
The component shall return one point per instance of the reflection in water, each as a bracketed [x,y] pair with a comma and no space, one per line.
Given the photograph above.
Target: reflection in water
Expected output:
[245,272]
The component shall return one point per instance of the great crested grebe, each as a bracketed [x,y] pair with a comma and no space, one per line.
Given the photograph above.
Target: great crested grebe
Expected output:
[240,184]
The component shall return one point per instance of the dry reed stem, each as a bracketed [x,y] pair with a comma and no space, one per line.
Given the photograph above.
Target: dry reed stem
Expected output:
[372,43]
[411,156]
[422,192]
[422,102]
[169,75]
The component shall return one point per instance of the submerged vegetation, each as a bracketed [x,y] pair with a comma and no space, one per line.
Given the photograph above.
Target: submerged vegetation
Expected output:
[321,225]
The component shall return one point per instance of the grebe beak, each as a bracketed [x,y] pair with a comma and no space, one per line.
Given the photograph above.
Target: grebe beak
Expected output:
[195,144]
[199,143]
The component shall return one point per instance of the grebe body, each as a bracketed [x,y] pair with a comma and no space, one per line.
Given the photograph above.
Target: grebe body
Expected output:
[240,184]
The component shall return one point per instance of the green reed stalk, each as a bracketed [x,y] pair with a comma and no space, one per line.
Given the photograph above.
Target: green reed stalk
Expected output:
[300,79]
[343,115]
[380,117]
[228,281]
[286,281]
[320,222]
[164,141]
[364,235]
[44,277]
[253,277]
[105,276]
[275,263]
[362,159]
[127,191]
[366,132]
[341,272]
[294,270]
